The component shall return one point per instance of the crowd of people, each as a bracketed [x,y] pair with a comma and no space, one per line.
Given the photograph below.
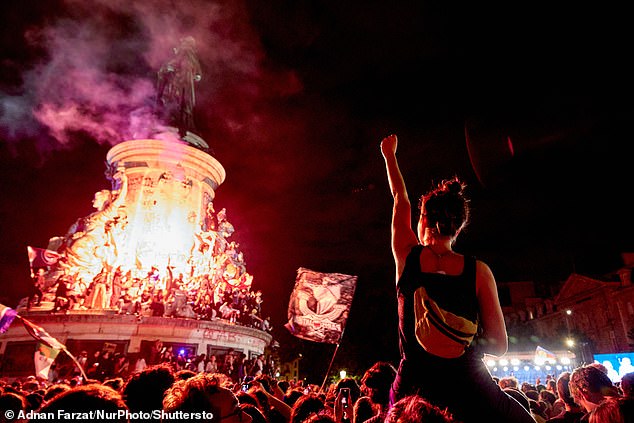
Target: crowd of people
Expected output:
[106,362]
[195,298]
[584,395]
[165,391]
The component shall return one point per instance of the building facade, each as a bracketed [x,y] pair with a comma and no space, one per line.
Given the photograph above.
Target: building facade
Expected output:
[587,316]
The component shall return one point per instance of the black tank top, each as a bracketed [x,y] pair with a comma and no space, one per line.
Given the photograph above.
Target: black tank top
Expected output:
[454,293]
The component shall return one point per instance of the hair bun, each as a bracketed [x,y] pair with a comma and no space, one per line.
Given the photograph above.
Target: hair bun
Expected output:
[453,186]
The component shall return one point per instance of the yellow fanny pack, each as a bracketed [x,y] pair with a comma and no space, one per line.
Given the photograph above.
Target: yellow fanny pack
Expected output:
[438,331]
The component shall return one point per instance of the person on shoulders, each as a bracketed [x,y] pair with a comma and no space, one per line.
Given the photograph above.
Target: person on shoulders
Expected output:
[448,308]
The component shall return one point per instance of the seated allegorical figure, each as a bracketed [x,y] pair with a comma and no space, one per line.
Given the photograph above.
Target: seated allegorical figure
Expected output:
[90,242]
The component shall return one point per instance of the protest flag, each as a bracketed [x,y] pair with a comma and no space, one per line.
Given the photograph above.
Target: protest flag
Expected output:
[41,335]
[43,358]
[319,305]
[543,355]
[41,257]
[7,314]
[49,341]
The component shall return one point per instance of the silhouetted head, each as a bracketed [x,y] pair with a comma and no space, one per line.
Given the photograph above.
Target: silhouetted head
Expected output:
[444,211]
[416,409]
[84,399]
[305,406]
[203,393]
[144,390]
[589,386]
[627,384]
[377,380]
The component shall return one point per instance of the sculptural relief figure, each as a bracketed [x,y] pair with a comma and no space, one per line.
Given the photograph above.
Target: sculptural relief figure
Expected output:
[176,95]
[90,244]
[118,237]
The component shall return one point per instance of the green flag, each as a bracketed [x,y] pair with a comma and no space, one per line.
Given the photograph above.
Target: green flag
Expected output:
[44,357]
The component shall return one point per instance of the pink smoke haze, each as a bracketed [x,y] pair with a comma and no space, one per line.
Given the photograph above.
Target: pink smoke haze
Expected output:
[109,108]
[99,74]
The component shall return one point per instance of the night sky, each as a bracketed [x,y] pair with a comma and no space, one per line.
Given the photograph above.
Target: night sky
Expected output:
[531,104]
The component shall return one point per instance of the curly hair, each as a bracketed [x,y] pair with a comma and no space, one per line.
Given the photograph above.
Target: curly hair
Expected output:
[192,394]
[589,380]
[446,207]
[414,409]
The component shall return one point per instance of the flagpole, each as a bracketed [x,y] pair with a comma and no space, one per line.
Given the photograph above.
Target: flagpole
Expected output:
[329,367]
[72,357]
[332,360]
[63,348]
[334,354]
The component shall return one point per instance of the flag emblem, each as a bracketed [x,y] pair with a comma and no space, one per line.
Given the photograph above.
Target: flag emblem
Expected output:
[319,305]
[41,257]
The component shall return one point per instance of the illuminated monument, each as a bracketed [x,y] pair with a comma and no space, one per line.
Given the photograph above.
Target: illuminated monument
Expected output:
[155,231]
[159,212]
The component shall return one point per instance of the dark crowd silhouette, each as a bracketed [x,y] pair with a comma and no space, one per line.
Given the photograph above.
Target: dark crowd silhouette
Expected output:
[209,389]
